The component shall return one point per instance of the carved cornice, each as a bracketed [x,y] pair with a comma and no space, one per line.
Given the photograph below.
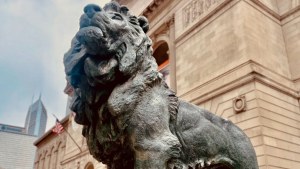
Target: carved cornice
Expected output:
[170,21]
[254,72]
[266,9]
[152,8]
[164,29]
[196,9]
[275,14]
[198,12]
[289,13]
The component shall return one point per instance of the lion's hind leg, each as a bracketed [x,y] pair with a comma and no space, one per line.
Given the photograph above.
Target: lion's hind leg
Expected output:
[218,162]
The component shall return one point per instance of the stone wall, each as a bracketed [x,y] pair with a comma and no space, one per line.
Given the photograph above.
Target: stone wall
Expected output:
[16,150]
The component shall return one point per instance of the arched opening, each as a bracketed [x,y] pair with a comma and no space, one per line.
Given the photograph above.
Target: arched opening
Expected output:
[161,55]
[89,165]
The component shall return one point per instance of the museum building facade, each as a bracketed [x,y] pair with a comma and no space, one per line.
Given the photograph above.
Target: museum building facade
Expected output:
[61,152]
[240,59]
[67,150]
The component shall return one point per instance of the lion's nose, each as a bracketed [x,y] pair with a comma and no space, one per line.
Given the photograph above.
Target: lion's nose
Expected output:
[91,9]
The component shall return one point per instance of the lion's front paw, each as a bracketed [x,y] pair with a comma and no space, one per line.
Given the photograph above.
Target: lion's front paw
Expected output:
[204,163]
[176,164]
[201,164]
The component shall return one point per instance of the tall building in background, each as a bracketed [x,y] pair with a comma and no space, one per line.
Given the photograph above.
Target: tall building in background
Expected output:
[67,150]
[36,119]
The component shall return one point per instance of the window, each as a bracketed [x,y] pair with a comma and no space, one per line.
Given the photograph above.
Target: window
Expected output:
[89,165]
[161,55]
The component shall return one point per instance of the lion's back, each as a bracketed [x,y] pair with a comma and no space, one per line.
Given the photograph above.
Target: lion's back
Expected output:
[205,136]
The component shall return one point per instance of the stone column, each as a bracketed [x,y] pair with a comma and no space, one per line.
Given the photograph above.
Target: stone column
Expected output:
[50,159]
[172,52]
[46,162]
[36,166]
[42,163]
[55,158]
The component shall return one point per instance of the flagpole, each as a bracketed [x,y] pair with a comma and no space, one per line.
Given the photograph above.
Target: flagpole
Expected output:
[69,135]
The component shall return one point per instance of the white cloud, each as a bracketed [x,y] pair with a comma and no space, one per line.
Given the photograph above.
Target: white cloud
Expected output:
[34,37]
[64,27]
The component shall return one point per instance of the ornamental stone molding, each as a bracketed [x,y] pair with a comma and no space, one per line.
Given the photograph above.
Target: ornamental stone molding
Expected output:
[239,104]
[195,9]
[170,21]
[196,12]
[152,7]
[277,13]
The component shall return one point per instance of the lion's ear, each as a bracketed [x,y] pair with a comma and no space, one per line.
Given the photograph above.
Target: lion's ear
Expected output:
[144,23]
[124,10]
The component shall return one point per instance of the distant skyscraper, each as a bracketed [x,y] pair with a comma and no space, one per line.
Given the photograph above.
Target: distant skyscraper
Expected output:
[36,119]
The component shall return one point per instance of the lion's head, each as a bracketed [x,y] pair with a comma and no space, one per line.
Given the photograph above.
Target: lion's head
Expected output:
[108,41]
[109,48]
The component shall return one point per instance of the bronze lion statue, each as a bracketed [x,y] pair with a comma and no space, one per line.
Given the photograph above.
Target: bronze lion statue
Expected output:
[130,116]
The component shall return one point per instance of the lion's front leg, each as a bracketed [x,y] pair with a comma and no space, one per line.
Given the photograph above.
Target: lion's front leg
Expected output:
[125,97]
[151,139]
[141,106]
[155,153]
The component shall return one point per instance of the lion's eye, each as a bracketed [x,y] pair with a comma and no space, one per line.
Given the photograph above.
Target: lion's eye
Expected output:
[117,16]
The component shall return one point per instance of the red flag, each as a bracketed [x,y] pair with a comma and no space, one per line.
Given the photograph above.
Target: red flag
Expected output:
[58,129]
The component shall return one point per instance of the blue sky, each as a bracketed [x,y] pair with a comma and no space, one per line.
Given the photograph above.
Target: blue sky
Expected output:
[34,35]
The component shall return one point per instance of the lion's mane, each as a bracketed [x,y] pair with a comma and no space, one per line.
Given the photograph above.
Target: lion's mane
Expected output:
[94,80]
